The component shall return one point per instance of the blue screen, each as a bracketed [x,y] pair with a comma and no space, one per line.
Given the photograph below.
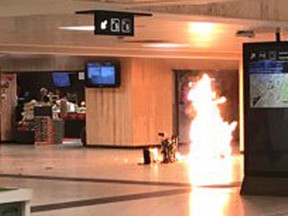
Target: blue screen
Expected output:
[98,74]
[61,79]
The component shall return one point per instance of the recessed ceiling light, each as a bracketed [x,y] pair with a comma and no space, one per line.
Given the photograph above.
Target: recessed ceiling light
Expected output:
[78,28]
[165,45]
[201,28]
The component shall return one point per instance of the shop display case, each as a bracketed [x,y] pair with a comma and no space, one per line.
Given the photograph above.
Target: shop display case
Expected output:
[41,130]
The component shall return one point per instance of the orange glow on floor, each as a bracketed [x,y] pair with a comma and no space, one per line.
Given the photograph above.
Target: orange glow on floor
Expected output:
[203,202]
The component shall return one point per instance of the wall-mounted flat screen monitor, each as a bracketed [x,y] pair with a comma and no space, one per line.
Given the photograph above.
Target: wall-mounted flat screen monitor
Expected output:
[61,79]
[102,74]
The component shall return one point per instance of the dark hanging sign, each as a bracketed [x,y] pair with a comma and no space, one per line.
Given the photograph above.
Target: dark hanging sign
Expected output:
[114,23]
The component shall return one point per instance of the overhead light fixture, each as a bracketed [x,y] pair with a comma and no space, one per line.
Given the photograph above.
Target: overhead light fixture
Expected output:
[203,34]
[78,28]
[201,28]
[165,45]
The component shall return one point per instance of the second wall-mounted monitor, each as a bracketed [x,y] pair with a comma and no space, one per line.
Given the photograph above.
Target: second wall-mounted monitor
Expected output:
[102,74]
[61,79]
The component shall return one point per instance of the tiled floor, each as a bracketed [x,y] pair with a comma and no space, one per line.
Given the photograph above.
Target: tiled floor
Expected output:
[71,180]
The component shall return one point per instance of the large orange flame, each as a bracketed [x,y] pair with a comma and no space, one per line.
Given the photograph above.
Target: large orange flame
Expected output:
[210,135]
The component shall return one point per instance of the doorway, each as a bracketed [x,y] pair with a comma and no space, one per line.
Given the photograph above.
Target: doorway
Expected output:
[225,84]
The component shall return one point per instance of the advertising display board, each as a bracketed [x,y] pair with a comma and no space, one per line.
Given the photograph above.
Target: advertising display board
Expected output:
[266,113]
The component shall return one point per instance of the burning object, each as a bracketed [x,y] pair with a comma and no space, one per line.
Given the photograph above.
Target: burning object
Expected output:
[210,135]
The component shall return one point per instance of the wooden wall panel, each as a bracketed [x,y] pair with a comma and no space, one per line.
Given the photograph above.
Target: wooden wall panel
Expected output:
[152,100]
[201,64]
[109,112]
[143,105]
[8,104]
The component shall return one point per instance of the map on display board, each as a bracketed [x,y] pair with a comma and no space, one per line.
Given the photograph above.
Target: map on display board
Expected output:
[268,72]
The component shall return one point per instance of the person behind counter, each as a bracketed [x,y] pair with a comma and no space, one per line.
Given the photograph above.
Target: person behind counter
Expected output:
[43,94]
[63,105]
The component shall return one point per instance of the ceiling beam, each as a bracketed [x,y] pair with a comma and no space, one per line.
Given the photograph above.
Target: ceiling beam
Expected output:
[116,52]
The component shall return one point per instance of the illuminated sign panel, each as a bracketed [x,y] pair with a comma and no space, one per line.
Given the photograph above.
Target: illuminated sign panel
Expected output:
[268,75]
[114,23]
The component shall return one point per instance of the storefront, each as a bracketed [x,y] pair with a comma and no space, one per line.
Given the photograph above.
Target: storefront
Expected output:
[50,107]
[130,114]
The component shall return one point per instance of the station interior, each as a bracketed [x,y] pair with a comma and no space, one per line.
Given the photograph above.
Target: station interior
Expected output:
[100,150]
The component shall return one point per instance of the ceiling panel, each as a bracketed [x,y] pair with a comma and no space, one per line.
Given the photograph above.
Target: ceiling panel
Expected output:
[32,26]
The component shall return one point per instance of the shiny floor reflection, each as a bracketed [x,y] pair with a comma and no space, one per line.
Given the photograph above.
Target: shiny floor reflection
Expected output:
[71,180]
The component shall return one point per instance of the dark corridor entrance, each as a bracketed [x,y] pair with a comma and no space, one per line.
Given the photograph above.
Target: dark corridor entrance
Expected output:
[225,83]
